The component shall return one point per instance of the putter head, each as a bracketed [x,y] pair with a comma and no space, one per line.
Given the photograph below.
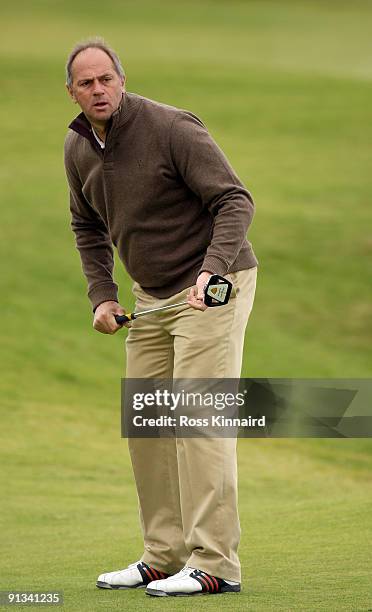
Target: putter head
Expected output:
[217,291]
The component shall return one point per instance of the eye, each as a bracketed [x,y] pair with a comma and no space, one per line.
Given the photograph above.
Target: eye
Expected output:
[107,78]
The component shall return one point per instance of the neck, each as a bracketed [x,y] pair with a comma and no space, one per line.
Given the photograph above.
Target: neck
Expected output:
[100,130]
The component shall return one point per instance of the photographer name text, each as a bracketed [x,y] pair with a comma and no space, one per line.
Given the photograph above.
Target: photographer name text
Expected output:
[185,421]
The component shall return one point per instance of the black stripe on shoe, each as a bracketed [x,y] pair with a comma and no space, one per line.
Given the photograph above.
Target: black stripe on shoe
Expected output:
[150,573]
[212,584]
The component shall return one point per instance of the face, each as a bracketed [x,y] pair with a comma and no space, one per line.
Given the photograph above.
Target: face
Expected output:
[96,86]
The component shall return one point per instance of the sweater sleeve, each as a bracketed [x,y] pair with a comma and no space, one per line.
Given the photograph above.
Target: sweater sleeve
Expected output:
[92,241]
[206,171]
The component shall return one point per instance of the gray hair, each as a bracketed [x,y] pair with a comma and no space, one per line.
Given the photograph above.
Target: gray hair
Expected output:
[93,43]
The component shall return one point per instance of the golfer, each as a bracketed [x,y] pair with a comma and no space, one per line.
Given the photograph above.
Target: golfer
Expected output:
[148,179]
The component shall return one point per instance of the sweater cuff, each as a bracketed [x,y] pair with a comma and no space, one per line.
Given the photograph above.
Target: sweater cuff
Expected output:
[214,265]
[104,292]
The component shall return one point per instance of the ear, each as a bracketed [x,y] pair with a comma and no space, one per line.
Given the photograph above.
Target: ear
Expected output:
[71,93]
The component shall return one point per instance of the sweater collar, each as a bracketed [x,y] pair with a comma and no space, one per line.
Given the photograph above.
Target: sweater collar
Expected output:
[129,105]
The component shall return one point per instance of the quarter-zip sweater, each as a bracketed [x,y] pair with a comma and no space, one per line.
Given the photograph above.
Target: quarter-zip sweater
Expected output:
[162,192]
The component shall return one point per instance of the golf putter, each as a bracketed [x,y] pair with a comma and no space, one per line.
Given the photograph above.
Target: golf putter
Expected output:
[216,293]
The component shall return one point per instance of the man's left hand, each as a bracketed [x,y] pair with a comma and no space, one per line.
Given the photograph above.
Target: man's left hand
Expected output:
[195,297]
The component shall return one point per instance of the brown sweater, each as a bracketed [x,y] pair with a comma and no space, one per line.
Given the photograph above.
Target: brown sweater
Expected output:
[162,193]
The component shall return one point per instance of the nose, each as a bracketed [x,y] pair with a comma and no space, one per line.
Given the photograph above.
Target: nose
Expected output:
[97,88]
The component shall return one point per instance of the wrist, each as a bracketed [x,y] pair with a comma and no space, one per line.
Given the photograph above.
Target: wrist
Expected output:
[105,302]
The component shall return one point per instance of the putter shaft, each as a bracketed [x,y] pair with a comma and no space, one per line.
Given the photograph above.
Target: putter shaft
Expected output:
[145,312]
[120,319]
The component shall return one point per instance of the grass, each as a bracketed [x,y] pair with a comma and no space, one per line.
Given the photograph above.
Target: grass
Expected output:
[71,513]
[285,89]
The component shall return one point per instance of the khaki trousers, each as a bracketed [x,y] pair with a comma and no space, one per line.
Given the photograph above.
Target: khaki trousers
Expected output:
[187,487]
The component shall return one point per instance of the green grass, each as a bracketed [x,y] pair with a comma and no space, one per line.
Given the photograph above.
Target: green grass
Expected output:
[285,88]
[70,513]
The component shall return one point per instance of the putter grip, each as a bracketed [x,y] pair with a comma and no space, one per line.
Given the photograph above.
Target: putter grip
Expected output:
[120,319]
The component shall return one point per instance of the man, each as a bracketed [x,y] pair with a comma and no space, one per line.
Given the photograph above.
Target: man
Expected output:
[148,179]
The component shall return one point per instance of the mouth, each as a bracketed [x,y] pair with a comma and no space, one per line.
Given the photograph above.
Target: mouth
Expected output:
[100,105]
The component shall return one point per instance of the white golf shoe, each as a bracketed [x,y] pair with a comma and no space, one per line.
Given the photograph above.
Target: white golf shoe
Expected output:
[135,576]
[190,581]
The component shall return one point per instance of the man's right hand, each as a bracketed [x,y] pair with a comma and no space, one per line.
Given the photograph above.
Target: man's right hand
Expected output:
[104,320]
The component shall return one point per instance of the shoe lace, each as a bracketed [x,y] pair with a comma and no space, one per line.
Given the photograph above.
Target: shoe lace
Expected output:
[185,571]
[134,564]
